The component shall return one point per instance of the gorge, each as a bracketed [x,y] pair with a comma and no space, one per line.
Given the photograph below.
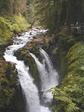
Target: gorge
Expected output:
[49,76]
[41,70]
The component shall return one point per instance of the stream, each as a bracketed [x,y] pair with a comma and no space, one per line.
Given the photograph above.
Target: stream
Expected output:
[48,75]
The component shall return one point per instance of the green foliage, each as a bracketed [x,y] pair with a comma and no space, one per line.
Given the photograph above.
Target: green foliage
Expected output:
[20,24]
[45,12]
[9,26]
[70,95]
[5,32]
[10,7]
[53,14]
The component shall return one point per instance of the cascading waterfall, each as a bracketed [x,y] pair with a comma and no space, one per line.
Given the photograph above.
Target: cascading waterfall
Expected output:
[52,74]
[43,73]
[28,87]
[48,75]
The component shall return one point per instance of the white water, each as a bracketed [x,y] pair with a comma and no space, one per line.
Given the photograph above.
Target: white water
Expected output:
[52,73]
[29,88]
[48,75]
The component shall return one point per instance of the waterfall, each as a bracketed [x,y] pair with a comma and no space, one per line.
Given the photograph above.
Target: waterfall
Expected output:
[52,74]
[26,81]
[48,75]
[43,73]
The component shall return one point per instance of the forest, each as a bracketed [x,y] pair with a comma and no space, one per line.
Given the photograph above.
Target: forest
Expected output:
[41,55]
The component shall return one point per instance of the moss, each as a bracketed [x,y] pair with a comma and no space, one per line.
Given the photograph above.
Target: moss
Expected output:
[23,54]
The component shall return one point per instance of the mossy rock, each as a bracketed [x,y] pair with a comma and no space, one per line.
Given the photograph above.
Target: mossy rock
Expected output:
[23,54]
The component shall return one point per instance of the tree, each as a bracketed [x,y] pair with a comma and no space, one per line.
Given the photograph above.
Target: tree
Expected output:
[10,7]
[53,14]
